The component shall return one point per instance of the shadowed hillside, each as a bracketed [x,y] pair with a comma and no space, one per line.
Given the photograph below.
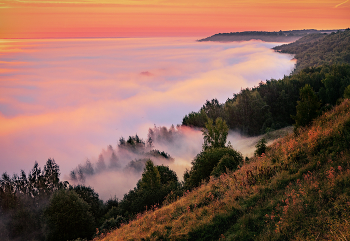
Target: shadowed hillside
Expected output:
[298,190]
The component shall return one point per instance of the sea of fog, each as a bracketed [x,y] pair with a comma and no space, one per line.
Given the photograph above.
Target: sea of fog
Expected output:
[68,99]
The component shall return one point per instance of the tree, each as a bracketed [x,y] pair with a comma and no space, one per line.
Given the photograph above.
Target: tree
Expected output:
[113,160]
[35,179]
[260,147]
[51,175]
[347,92]
[90,197]
[156,183]
[101,166]
[8,199]
[248,112]
[213,109]
[150,177]
[215,135]
[307,108]
[67,217]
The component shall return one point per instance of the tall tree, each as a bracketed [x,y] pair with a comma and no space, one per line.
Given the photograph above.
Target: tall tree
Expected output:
[35,179]
[51,175]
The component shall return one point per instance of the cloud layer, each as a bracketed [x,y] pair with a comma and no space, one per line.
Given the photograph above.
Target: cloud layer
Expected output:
[67,99]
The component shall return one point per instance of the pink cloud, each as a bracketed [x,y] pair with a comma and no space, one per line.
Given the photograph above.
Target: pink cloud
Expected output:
[67,99]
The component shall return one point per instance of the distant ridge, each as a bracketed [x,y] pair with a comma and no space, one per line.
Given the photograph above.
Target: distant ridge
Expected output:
[280,36]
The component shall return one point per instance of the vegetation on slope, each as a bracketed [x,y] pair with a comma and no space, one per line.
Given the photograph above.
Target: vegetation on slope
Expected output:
[318,49]
[298,190]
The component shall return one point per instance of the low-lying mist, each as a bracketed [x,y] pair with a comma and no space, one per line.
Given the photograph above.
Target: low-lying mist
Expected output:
[68,98]
[118,168]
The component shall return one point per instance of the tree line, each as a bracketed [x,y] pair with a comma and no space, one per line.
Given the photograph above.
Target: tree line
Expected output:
[272,105]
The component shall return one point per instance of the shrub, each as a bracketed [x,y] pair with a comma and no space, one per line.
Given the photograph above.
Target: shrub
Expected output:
[111,223]
[205,162]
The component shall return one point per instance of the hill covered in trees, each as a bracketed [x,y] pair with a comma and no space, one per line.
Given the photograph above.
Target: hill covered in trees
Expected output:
[280,36]
[319,49]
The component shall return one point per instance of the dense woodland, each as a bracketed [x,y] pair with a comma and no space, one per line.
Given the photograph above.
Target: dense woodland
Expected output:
[296,189]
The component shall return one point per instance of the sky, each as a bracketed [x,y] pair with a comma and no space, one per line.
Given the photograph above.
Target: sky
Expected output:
[150,18]
[68,99]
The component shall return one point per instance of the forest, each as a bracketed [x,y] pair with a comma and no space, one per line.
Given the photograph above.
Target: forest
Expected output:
[296,189]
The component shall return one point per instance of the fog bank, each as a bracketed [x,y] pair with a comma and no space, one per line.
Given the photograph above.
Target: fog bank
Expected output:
[68,98]
[118,168]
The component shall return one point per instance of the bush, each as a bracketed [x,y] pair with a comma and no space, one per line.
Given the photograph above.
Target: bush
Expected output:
[204,163]
[227,162]
[111,223]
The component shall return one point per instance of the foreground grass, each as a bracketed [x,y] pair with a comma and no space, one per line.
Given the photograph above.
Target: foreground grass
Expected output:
[299,190]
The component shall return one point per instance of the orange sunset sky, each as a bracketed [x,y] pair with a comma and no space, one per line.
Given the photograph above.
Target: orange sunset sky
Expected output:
[139,18]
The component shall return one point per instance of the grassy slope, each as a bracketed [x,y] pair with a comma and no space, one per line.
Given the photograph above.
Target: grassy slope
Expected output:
[300,190]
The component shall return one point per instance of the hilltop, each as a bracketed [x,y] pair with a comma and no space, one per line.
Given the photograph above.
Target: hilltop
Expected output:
[280,36]
[298,190]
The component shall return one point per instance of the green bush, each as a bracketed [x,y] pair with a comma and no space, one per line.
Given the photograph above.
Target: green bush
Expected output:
[204,163]
[227,162]
[111,223]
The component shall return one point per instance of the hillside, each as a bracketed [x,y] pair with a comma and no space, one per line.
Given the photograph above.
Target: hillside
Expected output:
[318,49]
[299,190]
[280,36]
